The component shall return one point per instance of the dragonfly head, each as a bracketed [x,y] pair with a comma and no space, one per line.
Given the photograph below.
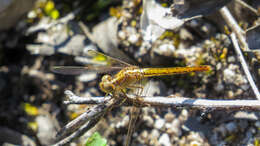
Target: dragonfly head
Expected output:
[106,85]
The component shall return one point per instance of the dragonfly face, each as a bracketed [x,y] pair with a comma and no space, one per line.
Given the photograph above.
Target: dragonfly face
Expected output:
[106,84]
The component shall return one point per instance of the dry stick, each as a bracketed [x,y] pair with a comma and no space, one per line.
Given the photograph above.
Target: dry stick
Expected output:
[92,113]
[193,103]
[244,66]
[74,99]
[242,3]
[86,31]
[79,132]
[231,22]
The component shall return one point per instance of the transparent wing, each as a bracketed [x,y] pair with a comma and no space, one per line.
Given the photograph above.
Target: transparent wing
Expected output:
[110,61]
[135,112]
[106,64]
[76,70]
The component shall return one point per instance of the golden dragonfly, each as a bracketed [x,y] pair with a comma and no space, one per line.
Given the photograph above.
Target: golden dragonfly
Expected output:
[126,78]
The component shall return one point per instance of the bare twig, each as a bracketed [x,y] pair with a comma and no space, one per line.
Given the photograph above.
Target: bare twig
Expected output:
[242,3]
[92,116]
[244,66]
[203,103]
[88,125]
[231,22]
[74,99]
[92,113]
[192,103]
[86,31]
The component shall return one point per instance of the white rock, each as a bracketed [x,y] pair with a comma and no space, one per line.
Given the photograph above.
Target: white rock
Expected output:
[231,59]
[165,140]
[148,120]
[155,134]
[122,35]
[133,38]
[46,130]
[159,123]
[229,75]
[218,66]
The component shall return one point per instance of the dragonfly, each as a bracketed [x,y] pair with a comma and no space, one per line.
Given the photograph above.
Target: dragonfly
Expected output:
[127,77]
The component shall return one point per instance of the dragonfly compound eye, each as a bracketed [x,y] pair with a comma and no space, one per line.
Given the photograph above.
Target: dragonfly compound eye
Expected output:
[106,78]
[106,85]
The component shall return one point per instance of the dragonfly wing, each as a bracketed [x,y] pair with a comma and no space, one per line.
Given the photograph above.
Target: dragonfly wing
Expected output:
[76,70]
[135,112]
[111,61]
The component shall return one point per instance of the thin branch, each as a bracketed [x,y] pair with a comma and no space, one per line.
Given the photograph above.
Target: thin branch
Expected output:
[189,103]
[92,113]
[86,31]
[231,22]
[79,132]
[74,99]
[77,127]
[244,66]
[203,103]
[242,3]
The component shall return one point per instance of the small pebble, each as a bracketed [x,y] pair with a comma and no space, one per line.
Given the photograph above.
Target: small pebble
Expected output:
[144,134]
[168,125]
[175,128]
[219,87]
[245,87]
[231,127]
[123,123]
[159,123]
[195,143]
[165,140]
[229,75]
[122,35]
[155,134]
[133,38]
[231,59]
[257,124]
[46,130]
[230,94]
[219,66]
[184,115]
[169,117]
[148,120]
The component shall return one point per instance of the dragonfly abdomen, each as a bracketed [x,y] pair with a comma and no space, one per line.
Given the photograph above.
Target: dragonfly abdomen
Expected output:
[149,72]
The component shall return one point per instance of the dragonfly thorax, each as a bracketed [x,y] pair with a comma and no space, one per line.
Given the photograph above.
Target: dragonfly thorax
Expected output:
[106,84]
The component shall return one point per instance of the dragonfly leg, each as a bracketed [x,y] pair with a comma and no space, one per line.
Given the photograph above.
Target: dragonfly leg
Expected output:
[125,97]
[137,87]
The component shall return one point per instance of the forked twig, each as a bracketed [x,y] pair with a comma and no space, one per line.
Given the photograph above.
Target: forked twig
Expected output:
[88,125]
[92,116]
[74,99]
[89,117]
[188,102]
[244,66]
[242,3]
[232,23]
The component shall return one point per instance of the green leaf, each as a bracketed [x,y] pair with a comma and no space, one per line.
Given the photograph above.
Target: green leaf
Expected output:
[96,140]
